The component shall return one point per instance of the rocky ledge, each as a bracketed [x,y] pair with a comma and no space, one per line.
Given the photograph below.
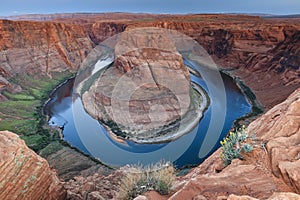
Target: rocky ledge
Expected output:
[24,174]
[273,166]
[146,94]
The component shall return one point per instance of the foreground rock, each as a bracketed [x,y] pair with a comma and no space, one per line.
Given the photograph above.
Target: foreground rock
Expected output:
[264,171]
[97,186]
[276,195]
[25,175]
[279,130]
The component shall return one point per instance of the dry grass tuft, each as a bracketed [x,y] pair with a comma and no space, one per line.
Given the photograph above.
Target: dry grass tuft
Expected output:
[140,179]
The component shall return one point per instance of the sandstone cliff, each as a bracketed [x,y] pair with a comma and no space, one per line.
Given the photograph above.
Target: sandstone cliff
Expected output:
[264,171]
[25,175]
[262,52]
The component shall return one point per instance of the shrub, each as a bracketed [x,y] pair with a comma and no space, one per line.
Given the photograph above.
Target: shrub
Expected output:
[235,144]
[139,179]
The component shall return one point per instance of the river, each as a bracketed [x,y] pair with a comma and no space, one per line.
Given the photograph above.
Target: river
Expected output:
[89,136]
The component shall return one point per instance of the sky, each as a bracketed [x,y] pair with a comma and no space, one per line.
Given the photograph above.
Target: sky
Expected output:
[18,7]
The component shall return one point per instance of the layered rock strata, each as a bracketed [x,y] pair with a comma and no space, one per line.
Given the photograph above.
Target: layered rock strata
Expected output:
[147,88]
[262,52]
[273,166]
[24,174]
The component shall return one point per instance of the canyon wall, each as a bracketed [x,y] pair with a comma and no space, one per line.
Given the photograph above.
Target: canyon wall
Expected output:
[264,53]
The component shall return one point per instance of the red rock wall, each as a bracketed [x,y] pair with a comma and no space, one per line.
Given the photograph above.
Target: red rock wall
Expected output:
[264,53]
[263,171]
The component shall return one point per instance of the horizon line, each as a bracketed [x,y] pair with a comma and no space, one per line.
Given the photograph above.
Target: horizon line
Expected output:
[154,13]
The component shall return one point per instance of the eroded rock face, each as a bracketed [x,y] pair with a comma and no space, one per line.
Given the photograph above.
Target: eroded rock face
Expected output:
[147,88]
[263,52]
[70,163]
[280,130]
[264,171]
[97,186]
[25,175]
[276,195]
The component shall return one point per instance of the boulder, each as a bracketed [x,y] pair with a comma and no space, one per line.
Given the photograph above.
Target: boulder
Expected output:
[24,174]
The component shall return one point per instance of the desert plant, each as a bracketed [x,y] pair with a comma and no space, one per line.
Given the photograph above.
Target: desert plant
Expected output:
[235,144]
[138,180]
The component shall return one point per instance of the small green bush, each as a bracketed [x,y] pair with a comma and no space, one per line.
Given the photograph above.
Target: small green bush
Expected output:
[138,180]
[235,144]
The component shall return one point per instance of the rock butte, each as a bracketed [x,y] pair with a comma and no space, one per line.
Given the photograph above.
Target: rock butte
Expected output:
[263,52]
[147,88]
